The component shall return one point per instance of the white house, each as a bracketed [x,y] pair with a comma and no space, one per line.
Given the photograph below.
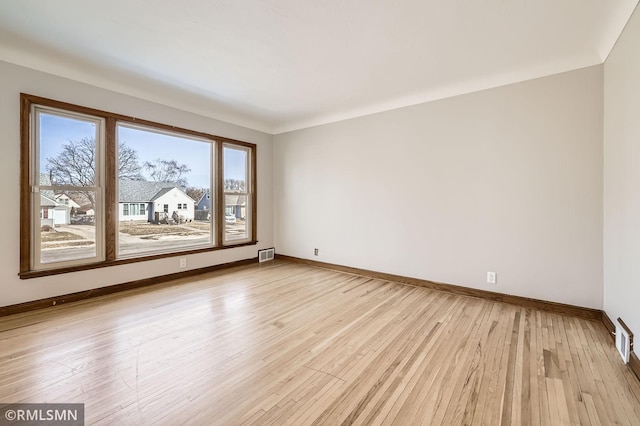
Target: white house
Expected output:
[65,200]
[47,210]
[139,200]
[170,200]
[52,211]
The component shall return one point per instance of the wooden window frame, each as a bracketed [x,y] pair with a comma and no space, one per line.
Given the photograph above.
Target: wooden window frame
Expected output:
[110,219]
[248,192]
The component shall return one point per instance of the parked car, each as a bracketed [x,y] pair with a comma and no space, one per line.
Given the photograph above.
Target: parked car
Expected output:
[229,218]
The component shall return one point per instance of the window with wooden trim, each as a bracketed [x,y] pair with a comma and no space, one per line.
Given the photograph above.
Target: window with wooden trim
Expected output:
[99,189]
[237,200]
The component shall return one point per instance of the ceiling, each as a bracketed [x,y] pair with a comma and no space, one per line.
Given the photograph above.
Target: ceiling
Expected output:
[280,65]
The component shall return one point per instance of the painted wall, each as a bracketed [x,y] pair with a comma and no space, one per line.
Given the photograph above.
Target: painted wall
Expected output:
[622,179]
[17,79]
[506,180]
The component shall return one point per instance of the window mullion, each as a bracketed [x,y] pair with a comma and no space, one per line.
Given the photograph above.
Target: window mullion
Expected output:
[219,195]
[252,193]
[110,181]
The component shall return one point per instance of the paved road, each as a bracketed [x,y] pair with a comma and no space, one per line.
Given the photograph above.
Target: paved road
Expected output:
[128,244]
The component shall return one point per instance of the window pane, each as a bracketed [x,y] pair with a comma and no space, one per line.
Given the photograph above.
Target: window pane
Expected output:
[235,169]
[235,217]
[162,176]
[64,217]
[67,150]
[67,231]
[236,188]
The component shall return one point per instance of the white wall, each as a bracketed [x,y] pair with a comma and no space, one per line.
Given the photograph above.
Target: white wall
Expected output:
[17,79]
[622,179]
[506,180]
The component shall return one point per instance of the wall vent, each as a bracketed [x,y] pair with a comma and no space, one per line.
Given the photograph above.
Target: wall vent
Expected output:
[266,255]
[624,340]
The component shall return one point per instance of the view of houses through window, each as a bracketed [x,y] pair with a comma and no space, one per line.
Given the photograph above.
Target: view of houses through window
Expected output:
[165,184]
[68,188]
[236,169]
[164,175]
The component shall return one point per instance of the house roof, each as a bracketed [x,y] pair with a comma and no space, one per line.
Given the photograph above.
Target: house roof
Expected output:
[367,56]
[230,199]
[235,200]
[203,196]
[63,196]
[141,191]
[130,191]
[45,201]
[47,193]
[162,192]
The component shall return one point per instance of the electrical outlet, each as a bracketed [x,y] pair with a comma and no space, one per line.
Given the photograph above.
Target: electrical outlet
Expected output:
[183,262]
[491,277]
[315,252]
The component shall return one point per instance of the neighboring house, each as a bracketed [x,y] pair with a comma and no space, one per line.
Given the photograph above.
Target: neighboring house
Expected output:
[47,202]
[140,200]
[52,213]
[62,215]
[204,203]
[234,204]
[64,199]
[47,210]
[86,210]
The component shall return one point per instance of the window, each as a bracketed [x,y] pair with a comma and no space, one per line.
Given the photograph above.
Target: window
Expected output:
[162,167]
[150,175]
[237,193]
[65,157]
[133,209]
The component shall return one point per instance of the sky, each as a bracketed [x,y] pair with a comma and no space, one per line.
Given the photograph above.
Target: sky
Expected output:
[56,130]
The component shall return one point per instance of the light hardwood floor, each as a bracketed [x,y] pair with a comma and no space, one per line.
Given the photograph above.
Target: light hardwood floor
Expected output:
[281,343]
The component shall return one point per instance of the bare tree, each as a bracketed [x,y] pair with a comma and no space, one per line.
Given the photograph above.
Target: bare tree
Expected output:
[128,163]
[234,185]
[167,171]
[75,165]
[196,193]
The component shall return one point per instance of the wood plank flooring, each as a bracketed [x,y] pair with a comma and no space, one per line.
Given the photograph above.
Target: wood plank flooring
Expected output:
[281,343]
